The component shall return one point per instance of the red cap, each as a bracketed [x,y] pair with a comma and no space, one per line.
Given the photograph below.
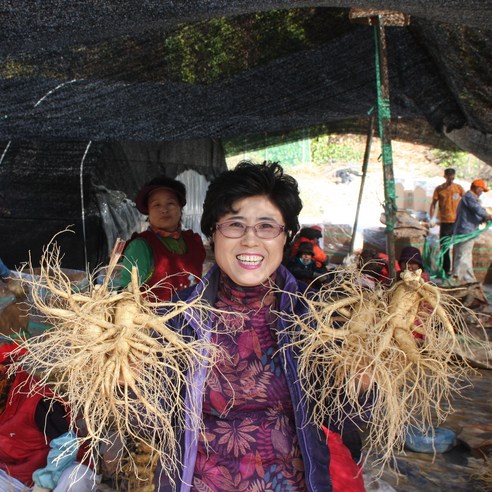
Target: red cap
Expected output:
[160,183]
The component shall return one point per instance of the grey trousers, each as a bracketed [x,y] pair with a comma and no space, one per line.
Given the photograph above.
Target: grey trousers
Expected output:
[463,262]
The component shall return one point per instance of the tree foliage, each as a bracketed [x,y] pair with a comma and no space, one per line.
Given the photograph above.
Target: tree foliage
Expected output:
[467,166]
[222,47]
[337,148]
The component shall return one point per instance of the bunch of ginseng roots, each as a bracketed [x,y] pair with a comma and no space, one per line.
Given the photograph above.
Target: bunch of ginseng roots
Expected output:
[383,358]
[114,361]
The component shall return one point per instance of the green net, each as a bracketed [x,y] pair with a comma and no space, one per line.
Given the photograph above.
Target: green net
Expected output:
[434,253]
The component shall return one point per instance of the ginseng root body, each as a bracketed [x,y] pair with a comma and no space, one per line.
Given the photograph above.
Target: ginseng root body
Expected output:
[384,357]
[115,359]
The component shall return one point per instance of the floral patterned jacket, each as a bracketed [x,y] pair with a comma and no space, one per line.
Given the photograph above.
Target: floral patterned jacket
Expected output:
[315,449]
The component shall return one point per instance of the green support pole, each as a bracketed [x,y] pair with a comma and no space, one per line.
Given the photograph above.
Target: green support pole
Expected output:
[384,120]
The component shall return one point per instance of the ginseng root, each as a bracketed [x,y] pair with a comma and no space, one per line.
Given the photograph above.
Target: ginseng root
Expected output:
[382,358]
[114,360]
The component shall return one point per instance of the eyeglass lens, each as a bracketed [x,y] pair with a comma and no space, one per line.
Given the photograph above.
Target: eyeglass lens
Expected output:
[263,230]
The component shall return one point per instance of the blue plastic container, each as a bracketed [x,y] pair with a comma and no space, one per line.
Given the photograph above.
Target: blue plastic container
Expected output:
[434,440]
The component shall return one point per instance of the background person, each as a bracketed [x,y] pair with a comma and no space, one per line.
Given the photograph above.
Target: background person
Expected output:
[164,250]
[375,268]
[447,196]
[304,268]
[470,215]
[256,433]
[411,259]
[310,235]
[34,438]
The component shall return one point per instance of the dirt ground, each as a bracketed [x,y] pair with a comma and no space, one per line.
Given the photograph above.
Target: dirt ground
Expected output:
[327,200]
[457,469]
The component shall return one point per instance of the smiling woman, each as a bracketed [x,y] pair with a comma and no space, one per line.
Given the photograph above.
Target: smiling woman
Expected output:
[168,258]
[250,258]
[256,432]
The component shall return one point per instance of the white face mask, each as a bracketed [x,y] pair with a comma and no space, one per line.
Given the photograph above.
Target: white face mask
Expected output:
[306,259]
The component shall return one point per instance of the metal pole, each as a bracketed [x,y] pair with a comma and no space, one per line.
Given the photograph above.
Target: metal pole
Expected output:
[365,163]
[384,117]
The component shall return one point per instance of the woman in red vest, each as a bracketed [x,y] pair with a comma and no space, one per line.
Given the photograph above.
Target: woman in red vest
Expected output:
[168,258]
[37,447]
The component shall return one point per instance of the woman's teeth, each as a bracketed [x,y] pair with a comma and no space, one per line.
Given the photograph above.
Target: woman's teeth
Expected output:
[250,259]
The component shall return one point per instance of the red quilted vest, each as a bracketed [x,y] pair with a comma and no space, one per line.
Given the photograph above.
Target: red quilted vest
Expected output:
[23,447]
[179,271]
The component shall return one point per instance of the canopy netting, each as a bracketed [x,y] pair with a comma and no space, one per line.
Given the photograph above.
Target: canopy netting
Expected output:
[158,70]
[117,74]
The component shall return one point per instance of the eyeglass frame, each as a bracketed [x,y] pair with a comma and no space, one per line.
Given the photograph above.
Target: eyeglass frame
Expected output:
[281,228]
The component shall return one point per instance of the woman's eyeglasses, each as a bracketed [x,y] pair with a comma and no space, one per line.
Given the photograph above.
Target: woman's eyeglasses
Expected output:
[262,230]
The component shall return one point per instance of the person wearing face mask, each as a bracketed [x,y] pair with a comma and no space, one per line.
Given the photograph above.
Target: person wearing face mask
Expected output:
[470,215]
[168,258]
[255,432]
[304,267]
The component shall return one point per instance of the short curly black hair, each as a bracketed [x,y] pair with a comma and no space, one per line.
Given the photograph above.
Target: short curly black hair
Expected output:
[252,179]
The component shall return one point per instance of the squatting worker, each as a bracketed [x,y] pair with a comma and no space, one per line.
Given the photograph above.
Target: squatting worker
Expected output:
[256,432]
[168,258]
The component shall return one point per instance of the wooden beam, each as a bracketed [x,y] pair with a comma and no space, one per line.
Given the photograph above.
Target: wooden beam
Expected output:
[369,17]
